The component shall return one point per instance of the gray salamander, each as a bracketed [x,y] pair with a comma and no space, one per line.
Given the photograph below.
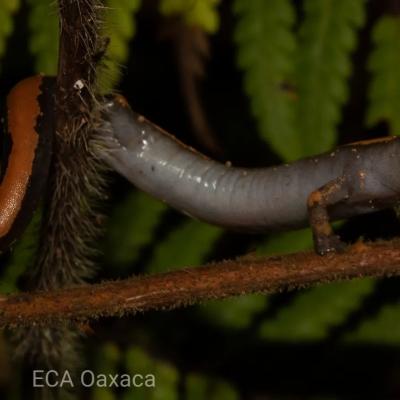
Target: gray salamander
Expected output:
[354,179]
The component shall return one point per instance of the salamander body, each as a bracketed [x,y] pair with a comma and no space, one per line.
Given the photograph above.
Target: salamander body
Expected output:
[29,126]
[351,180]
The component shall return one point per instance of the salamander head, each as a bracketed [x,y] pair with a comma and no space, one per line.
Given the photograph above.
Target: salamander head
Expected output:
[123,124]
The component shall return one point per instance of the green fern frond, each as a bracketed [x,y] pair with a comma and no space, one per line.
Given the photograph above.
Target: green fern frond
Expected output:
[384,61]
[266,48]
[282,243]
[201,13]
[167,382]
[43,40]
[7,9]
[107,360]
[236,313]
[21,257]
[199,387]
[292,241]
[120,28]
[131,227]
[137,360]
[313,313]
[383,328]
[185,246]
[166,375]
[195,386]
[327,37]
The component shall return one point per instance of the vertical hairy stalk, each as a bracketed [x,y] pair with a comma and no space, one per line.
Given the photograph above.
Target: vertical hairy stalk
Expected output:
[70,221]
[69,227]
[193,48]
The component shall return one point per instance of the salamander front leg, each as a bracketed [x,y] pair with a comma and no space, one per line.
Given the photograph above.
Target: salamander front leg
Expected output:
[325,241]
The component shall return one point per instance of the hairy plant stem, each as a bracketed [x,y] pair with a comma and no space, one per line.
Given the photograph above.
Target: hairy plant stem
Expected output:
[69,227]
[189,286]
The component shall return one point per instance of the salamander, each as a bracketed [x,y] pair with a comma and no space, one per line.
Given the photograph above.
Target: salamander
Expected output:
[353,179]
[29,130]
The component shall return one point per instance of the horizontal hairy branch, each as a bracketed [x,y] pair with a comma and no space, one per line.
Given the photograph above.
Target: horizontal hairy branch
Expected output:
[189,286]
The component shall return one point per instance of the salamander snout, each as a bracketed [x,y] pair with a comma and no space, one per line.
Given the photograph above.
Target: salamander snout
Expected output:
[121,122]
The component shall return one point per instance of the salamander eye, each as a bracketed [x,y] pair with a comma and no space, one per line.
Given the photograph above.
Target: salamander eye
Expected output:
[29,127]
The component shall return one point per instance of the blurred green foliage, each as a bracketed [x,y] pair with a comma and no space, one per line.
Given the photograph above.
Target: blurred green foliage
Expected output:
[313,313]
[382,328]
[125,239]
[296,61]
[43,39]
[327,37]
[21,258]
[119,25]
[198,387]
[7,9]
[266,51]
[384,95]
[201,13]
[187,245]
[297,85]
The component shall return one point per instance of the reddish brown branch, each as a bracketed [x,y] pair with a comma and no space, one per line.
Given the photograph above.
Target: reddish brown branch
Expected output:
[189,286]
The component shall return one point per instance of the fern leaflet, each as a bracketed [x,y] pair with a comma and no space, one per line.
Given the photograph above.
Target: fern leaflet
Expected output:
[120,28]
[266,47]
[21,257]
[384,328]
[237,312]
[187,245]
[131,227]
[166,376]
[44,36]
[384,61]
[282,243]
[107,360]
[7,9]
[327,37]
[201,13]
[199,387]
[314,312]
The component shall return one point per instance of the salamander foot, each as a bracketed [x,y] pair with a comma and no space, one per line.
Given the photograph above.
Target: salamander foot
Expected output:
[328,244]
[325,241]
